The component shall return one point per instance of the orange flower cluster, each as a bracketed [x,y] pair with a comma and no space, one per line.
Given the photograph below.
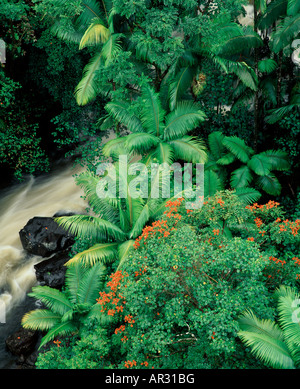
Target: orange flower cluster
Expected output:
[258,222]
[129,364]
[276,260]
[112,297]
[251,239]
[296,260]
[216,231]
[160,226]
[287,224]
[120,329]
[139,273]
[172,205]
[269,205]
[129,320]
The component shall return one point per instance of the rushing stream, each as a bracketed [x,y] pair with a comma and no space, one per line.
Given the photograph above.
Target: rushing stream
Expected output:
[42,196]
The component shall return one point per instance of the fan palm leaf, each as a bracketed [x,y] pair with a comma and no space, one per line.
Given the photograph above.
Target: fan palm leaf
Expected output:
[261,165]
[269,184]
[90,284]
[248,195]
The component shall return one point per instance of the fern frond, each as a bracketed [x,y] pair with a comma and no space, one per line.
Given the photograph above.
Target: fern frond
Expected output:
[269,184]
[91,283]
[60,329]
[241,177]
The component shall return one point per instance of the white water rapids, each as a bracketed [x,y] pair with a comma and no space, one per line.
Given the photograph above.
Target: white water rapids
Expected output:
[42,196]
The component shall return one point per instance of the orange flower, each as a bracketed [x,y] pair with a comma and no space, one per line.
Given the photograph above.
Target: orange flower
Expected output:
[216,231]
[251,239]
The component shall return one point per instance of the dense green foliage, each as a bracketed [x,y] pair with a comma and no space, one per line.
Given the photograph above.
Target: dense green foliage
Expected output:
[166,81]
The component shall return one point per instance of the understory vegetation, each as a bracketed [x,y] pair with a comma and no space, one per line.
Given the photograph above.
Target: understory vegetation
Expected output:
[159,281]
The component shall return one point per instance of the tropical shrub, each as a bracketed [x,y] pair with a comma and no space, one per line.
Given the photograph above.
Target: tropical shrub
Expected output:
[175,302]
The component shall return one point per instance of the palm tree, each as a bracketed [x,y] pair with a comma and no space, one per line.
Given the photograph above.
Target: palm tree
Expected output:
[156,134]
[255,168]
[67,310]
[276,345]
[117,219]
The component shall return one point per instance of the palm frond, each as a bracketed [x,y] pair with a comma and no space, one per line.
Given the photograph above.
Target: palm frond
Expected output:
[183,119]
[215,142]
[189,149]
[60,329]
[269,184]
[141,142]
[285,32]
[261,165]
[241,177]
[94,227]
[212,183]
[278,159]
[95,34]
[124,250]
[40,319]
[164,153]
[293,7]
[73,277]
[274,11]
[91,283]
[179,85]
[266,341]
[267,65]
[120,110]
[246,39]
[86,90]
[153,114]
[54,299]
[111,48]
[238,147]
[101,252]
[248,195]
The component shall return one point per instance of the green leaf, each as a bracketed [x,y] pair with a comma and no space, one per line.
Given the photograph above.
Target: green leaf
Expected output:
[248,195]
[285,32]
[183,119]
[86,90]
[141,142]
[60,329]
[215,142]
[54,299]
[189,149]
[278,159]
[102,252]
[90,284]
[269,184]
[40,319]
[275,9]
[238,147]
[96,33]
[120,110]
[212,183]
[179,85]
[260,164]
[267,65]
[241,177]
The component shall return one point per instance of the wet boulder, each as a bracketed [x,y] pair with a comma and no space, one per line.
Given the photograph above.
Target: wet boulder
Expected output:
[44,237]
[51,271]
[22,343]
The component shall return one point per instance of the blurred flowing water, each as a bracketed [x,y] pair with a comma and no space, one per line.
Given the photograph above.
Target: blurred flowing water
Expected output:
[42,196]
